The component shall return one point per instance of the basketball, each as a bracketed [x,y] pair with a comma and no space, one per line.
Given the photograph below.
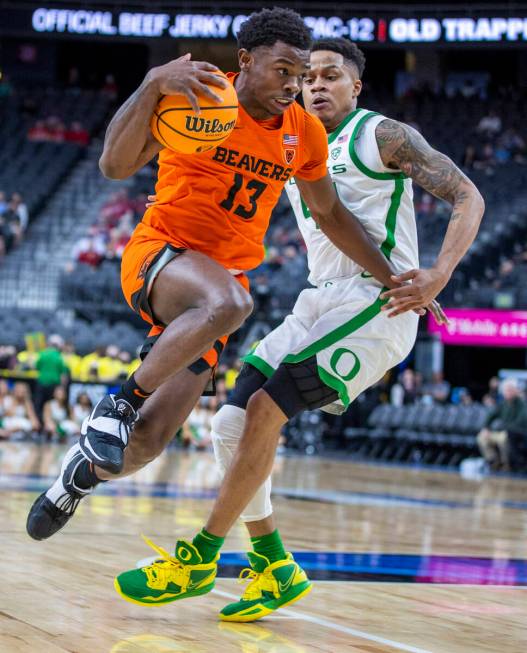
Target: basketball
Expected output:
[176,126]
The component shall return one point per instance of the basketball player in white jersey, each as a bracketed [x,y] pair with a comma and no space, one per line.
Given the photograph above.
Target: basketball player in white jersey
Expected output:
[342,336]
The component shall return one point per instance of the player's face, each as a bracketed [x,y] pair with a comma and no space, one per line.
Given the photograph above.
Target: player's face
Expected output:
[330,87]
[274,76]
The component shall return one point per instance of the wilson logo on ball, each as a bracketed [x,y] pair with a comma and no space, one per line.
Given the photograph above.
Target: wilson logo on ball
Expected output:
[194,124]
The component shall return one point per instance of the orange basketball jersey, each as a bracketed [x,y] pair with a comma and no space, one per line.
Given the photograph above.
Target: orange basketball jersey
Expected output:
[219,202]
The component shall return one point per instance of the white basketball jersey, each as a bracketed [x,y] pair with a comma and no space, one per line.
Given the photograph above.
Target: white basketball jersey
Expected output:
[381,198]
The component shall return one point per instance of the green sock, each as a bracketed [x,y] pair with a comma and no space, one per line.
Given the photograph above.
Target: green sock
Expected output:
[270,546]
[208,545]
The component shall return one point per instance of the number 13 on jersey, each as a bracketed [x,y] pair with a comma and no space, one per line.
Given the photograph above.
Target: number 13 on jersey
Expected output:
[255,189]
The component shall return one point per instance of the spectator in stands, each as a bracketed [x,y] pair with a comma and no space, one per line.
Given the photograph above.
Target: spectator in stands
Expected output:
[128,365]
[118,239]
[89,367]
[490,125]
[12,224]
[465,398]
[3,202]
[77,134]
[89,252]
[484,158]
[406,390]
[4,393]
[81,409]
[56,129]
[52,371]
[56,416]
[20,208]
[72,360]
[19,417]
[197,429]
[511,274]
[493,392]
[515,144]
[6,237]
[469,156]
[110,88]
[501,152]
[114,209]
[437,388]
[110,367]
[39,132]
[508,420]
[8,359]
[468,90]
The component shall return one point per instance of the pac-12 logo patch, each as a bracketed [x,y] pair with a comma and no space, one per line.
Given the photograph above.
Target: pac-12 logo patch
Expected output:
[289,155]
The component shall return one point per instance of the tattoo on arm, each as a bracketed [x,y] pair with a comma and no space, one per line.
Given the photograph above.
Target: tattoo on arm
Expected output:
[402,147]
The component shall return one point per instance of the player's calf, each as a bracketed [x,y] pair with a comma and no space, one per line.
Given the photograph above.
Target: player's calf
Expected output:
[105,433]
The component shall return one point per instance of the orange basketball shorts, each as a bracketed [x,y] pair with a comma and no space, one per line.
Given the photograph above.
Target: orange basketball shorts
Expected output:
[143,259]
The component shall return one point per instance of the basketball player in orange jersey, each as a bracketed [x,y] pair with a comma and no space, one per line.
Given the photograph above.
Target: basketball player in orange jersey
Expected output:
[183,268]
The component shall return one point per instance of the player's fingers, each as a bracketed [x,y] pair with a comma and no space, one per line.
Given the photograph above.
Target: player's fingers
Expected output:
[184,57]
[437,311]
[205,65]
[405,276]
[211,78]
[420,311]
[407,301]
[205,91]
[193,100]
[403,308]
[397,293]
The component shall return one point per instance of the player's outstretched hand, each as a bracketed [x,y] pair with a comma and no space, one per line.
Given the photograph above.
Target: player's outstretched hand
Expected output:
[421,287]
[189,78]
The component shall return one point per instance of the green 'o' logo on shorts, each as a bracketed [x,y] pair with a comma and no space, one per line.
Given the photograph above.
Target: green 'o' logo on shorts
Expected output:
[354,365]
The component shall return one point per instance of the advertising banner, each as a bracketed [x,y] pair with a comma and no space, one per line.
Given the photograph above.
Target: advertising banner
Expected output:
[485,328]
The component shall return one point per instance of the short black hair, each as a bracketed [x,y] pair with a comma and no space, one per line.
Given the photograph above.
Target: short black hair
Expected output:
[268,26]
[346,48]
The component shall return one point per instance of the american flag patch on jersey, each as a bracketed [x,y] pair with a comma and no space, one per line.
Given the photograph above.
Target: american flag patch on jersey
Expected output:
[290,139]
[342,139]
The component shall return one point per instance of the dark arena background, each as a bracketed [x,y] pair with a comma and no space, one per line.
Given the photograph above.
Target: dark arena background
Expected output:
[409,519]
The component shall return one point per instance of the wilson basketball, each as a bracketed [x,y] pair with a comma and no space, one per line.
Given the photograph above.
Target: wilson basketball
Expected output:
[176,126]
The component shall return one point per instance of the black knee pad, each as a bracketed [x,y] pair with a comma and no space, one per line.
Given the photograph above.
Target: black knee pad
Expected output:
[295,387]
[249,380]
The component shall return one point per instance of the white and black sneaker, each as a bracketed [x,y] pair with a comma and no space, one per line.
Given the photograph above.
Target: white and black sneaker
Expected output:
[105,433]
[54,508]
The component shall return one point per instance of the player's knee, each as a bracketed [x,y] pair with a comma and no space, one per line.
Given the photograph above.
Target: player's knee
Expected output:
[228,311]
[257,404]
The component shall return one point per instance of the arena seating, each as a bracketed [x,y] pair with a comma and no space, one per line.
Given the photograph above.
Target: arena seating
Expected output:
[36,168]
[85,336]
[429,434]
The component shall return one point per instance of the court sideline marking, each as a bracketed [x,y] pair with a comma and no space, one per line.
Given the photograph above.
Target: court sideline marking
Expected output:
[343,629]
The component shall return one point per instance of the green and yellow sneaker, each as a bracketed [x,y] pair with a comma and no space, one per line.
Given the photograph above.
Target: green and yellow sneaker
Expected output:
[168,578]
[272,586]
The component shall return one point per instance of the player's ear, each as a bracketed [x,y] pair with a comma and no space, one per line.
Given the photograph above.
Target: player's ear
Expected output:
[245,59]
[357,88]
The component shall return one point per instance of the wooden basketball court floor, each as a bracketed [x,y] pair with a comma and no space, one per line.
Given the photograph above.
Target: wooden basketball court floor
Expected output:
[402,560]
